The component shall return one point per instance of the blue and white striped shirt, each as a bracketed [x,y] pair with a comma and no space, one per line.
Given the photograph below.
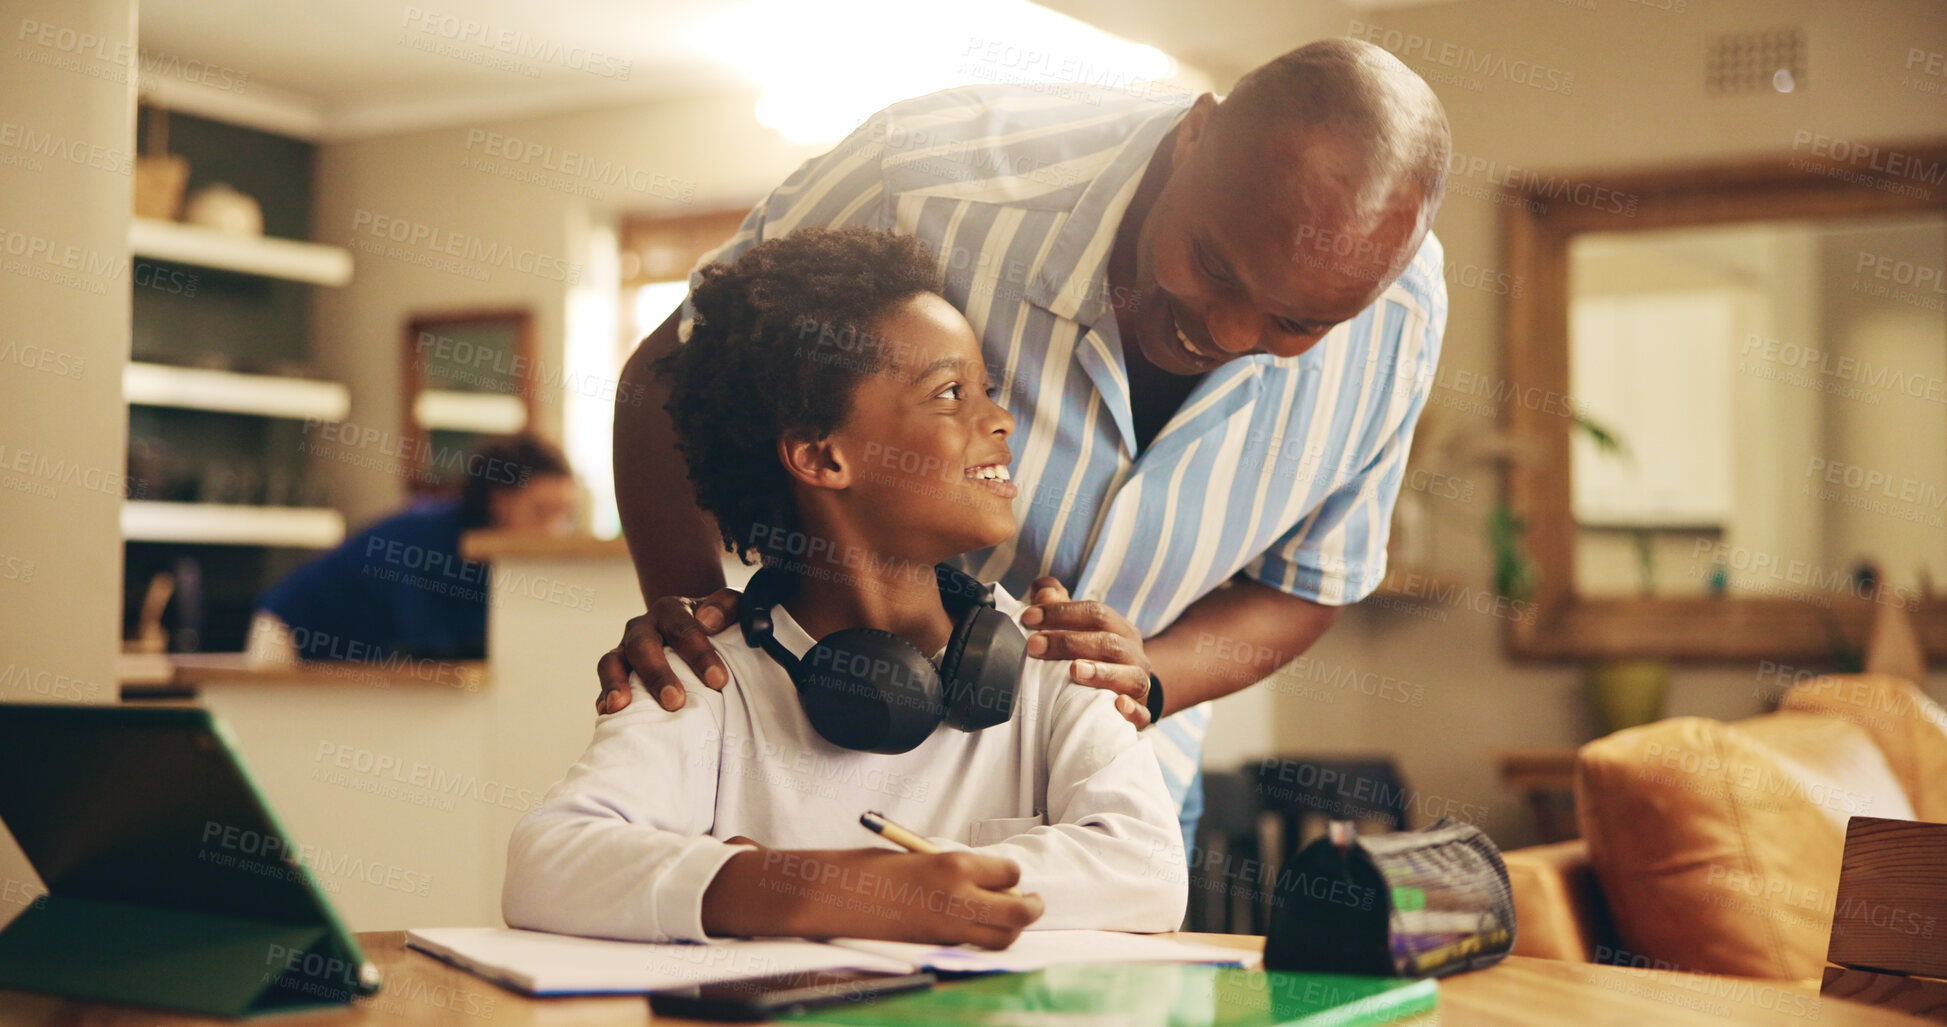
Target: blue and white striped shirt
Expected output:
[1283,469]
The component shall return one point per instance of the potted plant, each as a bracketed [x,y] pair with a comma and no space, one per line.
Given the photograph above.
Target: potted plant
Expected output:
[1622,692]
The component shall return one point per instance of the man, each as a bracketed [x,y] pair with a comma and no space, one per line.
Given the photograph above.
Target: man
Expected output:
[1215,327]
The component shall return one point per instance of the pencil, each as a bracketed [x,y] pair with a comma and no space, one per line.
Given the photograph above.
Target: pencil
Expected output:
[876,822]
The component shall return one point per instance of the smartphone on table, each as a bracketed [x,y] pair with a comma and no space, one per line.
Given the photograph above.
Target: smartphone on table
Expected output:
[760,998]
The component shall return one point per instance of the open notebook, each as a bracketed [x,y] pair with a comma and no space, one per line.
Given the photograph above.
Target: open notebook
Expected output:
[539,963]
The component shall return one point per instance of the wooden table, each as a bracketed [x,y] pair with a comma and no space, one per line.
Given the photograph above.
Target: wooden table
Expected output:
[1520,992]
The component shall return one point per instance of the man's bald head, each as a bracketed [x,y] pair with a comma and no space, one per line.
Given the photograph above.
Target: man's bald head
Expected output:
[1374,133]
[1286,209]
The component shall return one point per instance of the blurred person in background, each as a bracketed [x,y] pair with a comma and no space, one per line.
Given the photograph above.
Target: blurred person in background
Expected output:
[401,587]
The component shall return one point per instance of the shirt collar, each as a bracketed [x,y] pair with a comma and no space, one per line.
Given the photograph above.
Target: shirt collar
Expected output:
[1070,279]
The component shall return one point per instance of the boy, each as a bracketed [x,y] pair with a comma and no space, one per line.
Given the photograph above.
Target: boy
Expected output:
[837,420]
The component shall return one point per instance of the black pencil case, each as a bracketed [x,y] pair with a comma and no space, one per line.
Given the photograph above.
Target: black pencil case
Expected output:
[1423,903]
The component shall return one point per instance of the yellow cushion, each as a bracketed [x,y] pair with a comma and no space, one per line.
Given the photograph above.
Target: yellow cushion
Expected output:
[1718,845]
[1909,728]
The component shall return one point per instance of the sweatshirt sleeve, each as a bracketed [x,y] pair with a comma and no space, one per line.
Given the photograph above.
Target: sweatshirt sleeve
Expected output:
[1111,855]
[620,848]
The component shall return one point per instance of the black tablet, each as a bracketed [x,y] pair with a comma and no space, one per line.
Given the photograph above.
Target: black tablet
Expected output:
[170,882]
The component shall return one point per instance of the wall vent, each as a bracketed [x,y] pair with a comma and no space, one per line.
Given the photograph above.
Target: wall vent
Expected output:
[1755,62]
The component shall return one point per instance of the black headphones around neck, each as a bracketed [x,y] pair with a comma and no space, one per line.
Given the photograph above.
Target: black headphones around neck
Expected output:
[873,691]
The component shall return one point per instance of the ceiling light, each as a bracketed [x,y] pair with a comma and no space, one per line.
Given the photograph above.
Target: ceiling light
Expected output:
[827,67]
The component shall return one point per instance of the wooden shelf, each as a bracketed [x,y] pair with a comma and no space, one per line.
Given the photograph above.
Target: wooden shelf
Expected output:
[188,669]
[290,259]
[144,669]
[491,413]
[501,545]
[226,524]
[193,388]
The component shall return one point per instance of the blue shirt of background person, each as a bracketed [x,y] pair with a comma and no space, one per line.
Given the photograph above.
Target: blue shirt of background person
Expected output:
[401,586]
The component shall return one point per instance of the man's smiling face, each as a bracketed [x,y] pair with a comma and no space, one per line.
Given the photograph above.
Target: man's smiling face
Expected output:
[1251,246]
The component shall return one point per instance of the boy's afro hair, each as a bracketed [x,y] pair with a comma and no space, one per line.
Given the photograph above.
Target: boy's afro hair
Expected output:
[781,338]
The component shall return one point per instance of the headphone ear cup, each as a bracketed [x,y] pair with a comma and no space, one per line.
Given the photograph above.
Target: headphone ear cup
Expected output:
[869,690]
[981,672]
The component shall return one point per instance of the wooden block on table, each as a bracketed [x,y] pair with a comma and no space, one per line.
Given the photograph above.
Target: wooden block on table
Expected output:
[1920,996]
[1890,911]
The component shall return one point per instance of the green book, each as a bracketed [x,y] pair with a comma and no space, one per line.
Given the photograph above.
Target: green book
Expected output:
[1148,995]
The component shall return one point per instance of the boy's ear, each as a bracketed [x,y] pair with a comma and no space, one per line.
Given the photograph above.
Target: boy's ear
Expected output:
[815,462]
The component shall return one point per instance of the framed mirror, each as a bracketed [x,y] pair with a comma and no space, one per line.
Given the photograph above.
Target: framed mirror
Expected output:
[469,375]
[1748,449]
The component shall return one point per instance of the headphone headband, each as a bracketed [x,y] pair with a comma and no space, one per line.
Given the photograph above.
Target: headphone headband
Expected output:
[871,690]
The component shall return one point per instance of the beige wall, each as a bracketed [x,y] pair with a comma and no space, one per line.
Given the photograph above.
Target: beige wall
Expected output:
[63,343]
[678,156]
[406,791]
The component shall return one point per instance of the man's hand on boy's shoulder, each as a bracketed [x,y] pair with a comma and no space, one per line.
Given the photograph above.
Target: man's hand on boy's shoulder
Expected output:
[682,624]
[1107,649]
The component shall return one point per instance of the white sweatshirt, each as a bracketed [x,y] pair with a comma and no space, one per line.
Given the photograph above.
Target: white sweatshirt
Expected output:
[625,845]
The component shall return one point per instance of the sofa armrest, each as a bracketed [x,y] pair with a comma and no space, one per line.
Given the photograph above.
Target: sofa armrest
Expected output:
[1558,908]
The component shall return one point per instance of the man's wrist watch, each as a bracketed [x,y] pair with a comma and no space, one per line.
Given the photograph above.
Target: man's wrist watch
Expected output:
[1155,698]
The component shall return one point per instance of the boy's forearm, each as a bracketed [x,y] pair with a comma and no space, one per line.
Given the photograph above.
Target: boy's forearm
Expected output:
[746,900]
[806,893]
[797,893]
[672,542]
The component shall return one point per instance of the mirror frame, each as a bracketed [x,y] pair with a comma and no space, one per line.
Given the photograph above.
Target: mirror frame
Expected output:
[1536,234]
[412,378]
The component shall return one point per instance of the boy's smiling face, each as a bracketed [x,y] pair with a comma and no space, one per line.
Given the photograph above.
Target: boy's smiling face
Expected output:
[919,470]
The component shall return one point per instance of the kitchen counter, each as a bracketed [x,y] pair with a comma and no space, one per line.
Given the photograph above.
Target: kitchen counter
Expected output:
[155,670]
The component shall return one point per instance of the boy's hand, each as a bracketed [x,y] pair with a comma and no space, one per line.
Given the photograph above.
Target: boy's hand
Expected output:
[682,624]
[1107,649]
[951,898]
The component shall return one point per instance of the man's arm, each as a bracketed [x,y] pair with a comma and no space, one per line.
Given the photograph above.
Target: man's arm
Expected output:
[1232,638]
[673,543]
